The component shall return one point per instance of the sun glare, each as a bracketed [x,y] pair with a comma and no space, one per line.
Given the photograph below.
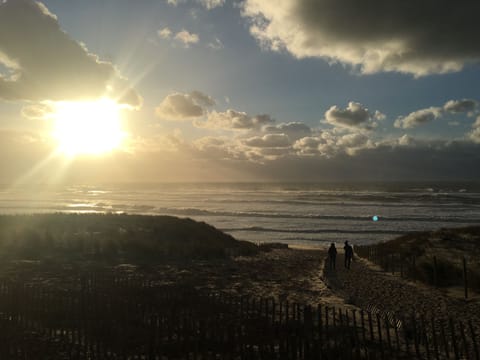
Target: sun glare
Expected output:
[87,127]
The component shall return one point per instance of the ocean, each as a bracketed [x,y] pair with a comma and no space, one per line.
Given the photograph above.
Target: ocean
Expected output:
[297,214]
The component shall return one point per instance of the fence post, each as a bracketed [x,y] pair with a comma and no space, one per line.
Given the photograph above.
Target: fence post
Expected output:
[434,338]
[327,337]
[370,325]
[320,330]
[435,271]
[465,282]
[464,339]
[454,340]
[380,341]
[425,335]
[362,318]
[444,339]
[415,337]
[474,340]
[355,334]
[387,332]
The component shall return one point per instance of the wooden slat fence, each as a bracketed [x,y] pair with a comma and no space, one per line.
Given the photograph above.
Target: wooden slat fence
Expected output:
[112,317]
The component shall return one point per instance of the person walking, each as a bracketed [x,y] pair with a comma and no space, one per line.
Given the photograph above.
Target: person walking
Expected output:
[348,254]
[332,256]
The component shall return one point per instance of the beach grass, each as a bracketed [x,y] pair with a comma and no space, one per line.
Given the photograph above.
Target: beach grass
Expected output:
[114,237]
[442,257]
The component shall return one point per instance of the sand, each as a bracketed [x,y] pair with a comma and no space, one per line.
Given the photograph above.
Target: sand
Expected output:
[296,275]
[366,286]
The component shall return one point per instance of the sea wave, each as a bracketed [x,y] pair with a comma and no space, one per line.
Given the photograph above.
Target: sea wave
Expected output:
[313,231]
[204,212]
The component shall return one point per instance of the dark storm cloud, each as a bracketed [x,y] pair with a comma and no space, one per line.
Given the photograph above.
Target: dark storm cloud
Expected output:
[46,64]
[417,37]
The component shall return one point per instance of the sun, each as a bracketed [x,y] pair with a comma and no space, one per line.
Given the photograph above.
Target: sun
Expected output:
[92,127]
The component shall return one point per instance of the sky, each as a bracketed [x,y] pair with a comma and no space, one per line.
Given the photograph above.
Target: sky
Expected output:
[249,90]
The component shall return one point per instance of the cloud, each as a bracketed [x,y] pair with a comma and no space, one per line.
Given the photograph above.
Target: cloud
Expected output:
[217,148]
[211,4]
[321,145]
[474,135]
[294,130]
[164,33]
[420,39]
[207,4]
[183,37]
[234,120]
[202,98]
[216,44]
[46,64]
[37,111]
[424,116]
[355,116]
[353,143]
[461,106]
[419,117]
[327,144]
[269,141]
[406,140]
[186,38]
[352,140]
[184,106]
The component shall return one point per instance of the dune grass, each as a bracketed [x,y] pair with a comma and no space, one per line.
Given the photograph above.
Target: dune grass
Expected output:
[113,237]
[437,256]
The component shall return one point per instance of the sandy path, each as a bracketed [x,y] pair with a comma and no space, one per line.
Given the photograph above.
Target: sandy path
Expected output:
[365,284]
[286,274]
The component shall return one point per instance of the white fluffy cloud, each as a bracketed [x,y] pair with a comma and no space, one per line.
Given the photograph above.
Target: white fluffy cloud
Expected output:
[355,116]
[474,135]
[211,4]
[321,145]
[294,130]
[419,117]
[418,38]
[207,4]
[46,64]
[165,33]
[184,106]
[233,120]
[327,144]
[424,116]
[186,38]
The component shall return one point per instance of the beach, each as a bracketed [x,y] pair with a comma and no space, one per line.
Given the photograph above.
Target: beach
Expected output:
[296,275]
[83,282]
